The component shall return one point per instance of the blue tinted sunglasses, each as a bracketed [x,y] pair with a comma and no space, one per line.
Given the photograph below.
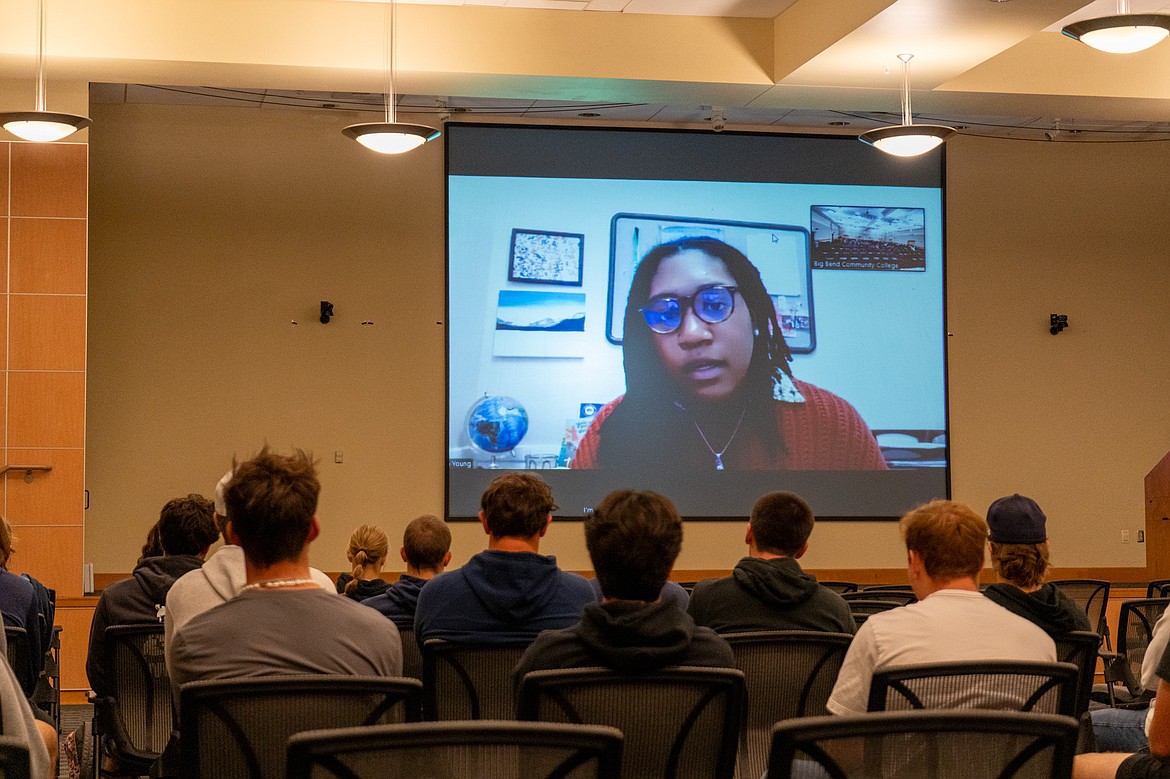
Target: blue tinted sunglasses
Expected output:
[714,304]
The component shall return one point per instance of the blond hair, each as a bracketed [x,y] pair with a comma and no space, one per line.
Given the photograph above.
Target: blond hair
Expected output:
[6,542]
[367,546]
[1023,565]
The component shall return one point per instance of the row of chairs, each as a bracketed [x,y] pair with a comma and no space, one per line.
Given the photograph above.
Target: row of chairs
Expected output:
[781,675]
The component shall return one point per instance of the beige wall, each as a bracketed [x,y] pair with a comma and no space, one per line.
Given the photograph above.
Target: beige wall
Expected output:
[212,228]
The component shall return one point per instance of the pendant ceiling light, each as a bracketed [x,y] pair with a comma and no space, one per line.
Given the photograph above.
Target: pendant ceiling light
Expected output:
[390,137]
[40,125]
[1124,33]
[907,139]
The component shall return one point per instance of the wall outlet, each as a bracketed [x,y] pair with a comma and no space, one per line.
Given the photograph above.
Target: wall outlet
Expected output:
[1141,536]
[1125,536]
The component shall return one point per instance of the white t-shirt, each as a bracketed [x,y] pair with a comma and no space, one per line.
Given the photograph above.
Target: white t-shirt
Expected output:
[946,626]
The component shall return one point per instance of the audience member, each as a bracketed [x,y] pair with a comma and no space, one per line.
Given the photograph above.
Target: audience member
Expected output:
[1019,554]
[510,592]
[1125,729]
[952,621]
[153,546]
[367,554]
[185,530]
[17,722]
[271,505]
[21,608]
[426,550]
[633,539]
[1151,762]
[219,579]
[768,590]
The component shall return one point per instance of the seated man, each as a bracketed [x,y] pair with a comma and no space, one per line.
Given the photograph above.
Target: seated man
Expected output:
[633,539]
[768,590]
[952,621]
[219,579]
[186,530]
[510,592]
[426,550]
[1127,730]
[283,621]
[1019,554]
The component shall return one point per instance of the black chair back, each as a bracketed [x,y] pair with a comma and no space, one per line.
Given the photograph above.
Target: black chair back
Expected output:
[840,587]
[678,723]
[787,673]
[897,597]
[458,750]
[863,609]
[20,658]
[1135,629]
[1158,588]
[412,662]
[1092,595]
[1080,648]
[926,745]
[239,728]
[1008,685]
[469,681]
[137,718]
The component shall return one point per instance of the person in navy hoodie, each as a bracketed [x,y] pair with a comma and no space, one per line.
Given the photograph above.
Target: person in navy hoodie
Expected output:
[426,550]
[509,592]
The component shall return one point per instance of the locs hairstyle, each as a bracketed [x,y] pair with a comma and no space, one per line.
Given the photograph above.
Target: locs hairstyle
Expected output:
[647,425]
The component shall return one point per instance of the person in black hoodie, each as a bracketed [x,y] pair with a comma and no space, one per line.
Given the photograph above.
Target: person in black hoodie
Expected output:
[633,539]
[426,550]
[186,529]
[768,590]
[1019,554]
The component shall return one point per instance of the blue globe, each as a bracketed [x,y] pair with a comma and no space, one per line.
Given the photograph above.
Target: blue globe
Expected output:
[497,423]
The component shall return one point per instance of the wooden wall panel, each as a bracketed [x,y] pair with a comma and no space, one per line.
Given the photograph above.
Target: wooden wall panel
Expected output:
[49,179]
[46,410]
[51,553]
[46,332]
[53,498]
[48,255]
[74,621]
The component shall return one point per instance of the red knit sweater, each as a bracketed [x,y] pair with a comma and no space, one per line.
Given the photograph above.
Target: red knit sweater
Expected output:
[824,433]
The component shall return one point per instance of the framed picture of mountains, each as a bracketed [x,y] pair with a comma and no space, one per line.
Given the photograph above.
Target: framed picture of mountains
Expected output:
[543,257]
[539,324]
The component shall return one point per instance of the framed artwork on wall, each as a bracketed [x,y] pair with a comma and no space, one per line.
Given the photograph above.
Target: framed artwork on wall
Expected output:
[543,257]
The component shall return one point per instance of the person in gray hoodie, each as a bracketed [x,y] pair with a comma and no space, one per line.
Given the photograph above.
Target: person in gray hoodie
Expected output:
[768,590]
[510,592]
[633,540]
[220,578]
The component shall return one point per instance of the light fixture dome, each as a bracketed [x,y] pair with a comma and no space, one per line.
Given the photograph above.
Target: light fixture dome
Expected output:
[1121,34]
[907,140]
[42,126]
[391,137]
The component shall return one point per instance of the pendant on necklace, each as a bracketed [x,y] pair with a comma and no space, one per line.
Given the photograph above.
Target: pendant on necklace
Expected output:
[718,462]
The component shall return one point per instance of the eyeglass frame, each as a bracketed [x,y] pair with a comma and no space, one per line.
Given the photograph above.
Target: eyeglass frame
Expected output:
[688,301]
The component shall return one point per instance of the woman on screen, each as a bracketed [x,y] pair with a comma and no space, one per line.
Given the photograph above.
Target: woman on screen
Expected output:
[708,381]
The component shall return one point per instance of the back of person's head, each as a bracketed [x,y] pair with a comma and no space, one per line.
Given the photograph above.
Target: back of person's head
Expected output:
[368,545]
[781,523]
[187,525]
[153,547]
[517,505]
[948,537]
[425,543]
[271,500]
[221,504]
[1019,540]
[6,542]
[633,539]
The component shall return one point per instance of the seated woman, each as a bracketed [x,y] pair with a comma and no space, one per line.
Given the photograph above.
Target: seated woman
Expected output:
[367,551]
[21,608]
[708,381]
